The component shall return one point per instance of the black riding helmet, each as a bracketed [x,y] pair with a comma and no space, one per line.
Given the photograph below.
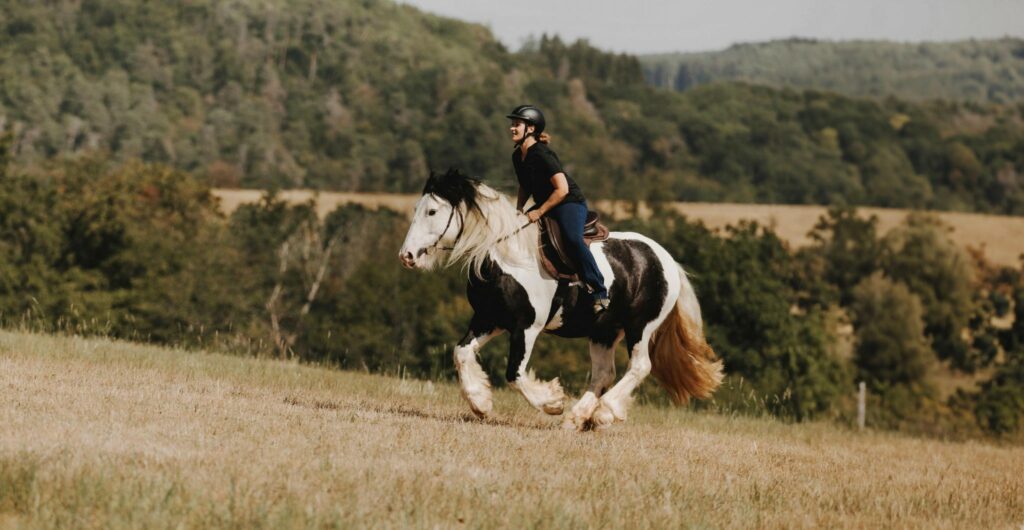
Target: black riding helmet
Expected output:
[531,115]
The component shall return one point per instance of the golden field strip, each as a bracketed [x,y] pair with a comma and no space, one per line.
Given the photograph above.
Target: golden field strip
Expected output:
[1002,237]
[104,434]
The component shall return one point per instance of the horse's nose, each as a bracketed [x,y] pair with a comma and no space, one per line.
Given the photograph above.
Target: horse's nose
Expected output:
[407,259]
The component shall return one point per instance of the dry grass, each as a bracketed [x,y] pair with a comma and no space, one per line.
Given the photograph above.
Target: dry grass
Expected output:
[1002,237]
[101,434]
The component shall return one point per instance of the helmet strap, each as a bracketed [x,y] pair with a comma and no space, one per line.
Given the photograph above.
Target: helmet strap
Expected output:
[526,135]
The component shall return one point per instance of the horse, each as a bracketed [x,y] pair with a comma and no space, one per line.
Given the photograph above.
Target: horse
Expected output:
[460,220]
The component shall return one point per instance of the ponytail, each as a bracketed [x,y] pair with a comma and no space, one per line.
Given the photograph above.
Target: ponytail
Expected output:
[544,138]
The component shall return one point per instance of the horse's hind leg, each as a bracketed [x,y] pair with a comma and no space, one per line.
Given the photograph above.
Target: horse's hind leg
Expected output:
[473,382]
[602,375]
[546,396]
[613,405]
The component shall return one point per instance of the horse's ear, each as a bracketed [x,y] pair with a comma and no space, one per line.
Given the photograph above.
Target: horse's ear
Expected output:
[432,183]
[454,187]
[454,175]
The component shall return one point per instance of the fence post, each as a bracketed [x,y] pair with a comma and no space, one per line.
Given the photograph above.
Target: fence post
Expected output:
[861,405]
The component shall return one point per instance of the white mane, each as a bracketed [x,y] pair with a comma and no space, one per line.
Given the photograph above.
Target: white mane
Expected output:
[495,230]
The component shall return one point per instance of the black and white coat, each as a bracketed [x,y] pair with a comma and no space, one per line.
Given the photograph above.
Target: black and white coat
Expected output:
[653,306]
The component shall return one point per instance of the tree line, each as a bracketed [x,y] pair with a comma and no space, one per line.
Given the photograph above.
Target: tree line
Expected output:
[369,95]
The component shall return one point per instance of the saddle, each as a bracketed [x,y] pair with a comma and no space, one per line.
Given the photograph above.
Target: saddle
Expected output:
[553,251]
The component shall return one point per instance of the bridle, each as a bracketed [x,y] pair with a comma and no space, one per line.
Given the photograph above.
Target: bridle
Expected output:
[448,225]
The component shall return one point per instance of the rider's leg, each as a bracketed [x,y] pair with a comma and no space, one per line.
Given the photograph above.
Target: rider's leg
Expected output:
[571,216]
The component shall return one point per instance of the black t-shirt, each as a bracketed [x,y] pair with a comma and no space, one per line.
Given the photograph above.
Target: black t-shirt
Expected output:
[535,171]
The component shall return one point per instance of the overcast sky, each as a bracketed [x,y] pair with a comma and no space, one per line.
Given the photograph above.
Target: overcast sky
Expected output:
[650,26]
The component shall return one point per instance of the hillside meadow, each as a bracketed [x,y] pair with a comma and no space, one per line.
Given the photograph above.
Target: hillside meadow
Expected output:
[1001,237]
[106,434]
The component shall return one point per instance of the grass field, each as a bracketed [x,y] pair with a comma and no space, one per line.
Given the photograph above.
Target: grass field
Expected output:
[103,434]
[1001,236]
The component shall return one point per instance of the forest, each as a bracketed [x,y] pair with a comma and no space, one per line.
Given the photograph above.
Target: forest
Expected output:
[978,71]
[369,95]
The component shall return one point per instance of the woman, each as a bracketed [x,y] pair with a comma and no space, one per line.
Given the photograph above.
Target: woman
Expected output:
[554,194]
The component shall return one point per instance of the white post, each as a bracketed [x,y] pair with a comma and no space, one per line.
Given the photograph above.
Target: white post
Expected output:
[861,405]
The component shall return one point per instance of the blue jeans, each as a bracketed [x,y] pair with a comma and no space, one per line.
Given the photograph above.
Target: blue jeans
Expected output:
[570,217]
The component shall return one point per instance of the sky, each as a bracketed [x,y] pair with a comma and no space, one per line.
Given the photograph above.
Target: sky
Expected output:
[652,26]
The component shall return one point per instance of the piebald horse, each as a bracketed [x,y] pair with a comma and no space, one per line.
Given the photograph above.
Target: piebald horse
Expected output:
[653,306]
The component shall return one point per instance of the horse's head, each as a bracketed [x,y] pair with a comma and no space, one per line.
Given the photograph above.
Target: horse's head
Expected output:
[438,218]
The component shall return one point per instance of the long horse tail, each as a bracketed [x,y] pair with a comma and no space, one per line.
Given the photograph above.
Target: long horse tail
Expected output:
[681,358]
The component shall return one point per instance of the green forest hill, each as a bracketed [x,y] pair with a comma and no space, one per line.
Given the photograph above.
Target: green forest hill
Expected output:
[980,71]
[369,95]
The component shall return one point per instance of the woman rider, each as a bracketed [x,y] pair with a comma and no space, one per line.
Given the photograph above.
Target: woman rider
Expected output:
[554,194]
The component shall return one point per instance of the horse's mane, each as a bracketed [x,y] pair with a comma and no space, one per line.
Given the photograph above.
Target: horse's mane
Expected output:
[490,223]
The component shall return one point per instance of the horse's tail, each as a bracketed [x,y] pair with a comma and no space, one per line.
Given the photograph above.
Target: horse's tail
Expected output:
[681,359]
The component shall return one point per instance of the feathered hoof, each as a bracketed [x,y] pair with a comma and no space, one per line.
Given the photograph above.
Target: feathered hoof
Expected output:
[482,412]
[607,413]
[554,408]
[579,417]
[556,405]
[576,422]
[481,407]
[602,418]
[546,396]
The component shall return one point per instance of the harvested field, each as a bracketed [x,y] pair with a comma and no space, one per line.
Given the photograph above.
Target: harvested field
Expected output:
[104,434]
[1002,237]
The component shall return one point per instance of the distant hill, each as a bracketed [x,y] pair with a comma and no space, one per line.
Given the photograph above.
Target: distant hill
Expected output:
[976,70]
[369,95]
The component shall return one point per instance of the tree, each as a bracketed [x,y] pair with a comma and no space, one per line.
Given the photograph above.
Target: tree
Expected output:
[920,255]
[999,406]
[891,347]
[849,246]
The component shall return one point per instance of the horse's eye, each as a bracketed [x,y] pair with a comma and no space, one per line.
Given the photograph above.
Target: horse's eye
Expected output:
[431,212]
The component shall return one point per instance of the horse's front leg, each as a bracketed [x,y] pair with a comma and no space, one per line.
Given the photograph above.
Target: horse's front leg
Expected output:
[473,381]
[546,396]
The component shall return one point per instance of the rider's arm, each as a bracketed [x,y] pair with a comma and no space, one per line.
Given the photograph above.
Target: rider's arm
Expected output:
[521,198]
[561,190]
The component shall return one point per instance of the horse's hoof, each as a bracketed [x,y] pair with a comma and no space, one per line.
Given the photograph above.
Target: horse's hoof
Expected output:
[556,408]
[602,417]
[482,410]
[607,413]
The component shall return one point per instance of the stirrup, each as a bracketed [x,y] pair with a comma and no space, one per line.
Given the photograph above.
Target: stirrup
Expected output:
[600,305]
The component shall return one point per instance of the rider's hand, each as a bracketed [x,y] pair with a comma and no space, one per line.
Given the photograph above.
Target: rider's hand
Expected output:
[534,215]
